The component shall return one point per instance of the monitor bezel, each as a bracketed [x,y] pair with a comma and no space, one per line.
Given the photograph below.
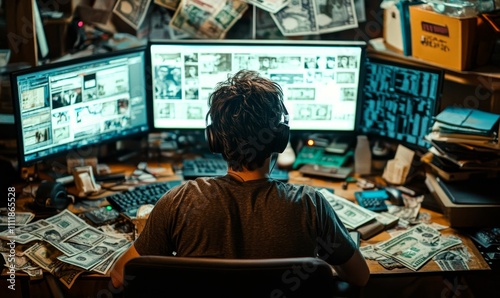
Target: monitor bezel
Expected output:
[61,64]
[437,103]
[240,42]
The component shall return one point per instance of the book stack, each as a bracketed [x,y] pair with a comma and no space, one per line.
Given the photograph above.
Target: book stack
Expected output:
[464,144]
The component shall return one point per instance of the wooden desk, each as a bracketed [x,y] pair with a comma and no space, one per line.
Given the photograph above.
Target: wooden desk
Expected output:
[476,262]
[94,283]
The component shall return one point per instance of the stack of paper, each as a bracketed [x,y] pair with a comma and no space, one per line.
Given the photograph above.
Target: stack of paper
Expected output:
[464,140]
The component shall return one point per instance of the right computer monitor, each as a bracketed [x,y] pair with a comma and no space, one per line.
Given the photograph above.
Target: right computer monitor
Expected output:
[400,101]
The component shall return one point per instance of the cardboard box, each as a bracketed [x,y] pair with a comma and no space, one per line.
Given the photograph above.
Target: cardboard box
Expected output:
[442,40]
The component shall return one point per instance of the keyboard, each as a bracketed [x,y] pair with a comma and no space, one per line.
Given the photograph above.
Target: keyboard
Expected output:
[129,201]
[212,167]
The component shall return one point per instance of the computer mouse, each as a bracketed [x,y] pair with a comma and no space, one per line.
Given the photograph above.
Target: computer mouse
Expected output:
[395,196]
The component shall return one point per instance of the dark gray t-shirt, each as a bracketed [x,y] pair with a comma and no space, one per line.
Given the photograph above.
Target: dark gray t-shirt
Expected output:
[224,218]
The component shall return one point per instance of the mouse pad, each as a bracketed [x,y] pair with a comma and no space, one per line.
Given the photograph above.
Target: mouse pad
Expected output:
[474,191]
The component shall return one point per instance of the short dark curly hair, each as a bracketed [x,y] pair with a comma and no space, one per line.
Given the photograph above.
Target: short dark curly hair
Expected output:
[245,112]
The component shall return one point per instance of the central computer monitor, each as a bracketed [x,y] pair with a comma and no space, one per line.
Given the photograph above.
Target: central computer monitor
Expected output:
[400,101]
[321,80]
[68,106]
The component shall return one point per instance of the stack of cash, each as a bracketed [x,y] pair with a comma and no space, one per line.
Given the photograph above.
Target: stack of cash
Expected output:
[65,246]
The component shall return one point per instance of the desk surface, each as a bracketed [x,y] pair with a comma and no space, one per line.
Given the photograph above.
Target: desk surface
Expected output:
[475,263]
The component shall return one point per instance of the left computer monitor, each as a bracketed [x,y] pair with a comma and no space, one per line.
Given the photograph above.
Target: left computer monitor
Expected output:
[62,107]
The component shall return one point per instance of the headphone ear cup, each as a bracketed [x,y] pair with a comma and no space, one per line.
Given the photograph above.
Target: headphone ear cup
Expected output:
[213,143]
[52,195]
[281,138]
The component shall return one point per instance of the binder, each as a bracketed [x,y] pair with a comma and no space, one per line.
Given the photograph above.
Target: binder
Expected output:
[467,121]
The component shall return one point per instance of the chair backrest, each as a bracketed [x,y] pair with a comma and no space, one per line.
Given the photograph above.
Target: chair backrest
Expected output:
[157,276]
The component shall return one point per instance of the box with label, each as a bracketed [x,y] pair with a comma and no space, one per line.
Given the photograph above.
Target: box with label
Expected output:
[442,40]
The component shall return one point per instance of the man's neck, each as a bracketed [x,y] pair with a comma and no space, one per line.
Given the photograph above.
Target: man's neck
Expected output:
[247,175]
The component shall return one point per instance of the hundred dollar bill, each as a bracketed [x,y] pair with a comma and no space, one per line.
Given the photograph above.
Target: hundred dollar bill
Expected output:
[414,247]
[272,6]
[88,236]
[44,255]
[207,19]
[66,218]
[63,226]
[104,267]
[297,18]
[351,215]
[336,15]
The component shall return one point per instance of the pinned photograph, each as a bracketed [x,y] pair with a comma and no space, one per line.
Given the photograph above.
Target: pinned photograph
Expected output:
[132,12]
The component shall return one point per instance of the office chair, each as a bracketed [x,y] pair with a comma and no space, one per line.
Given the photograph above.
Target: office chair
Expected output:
[162,276]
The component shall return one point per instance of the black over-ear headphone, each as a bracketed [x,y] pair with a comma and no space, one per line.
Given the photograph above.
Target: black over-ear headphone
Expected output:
[281,135]
[52,195]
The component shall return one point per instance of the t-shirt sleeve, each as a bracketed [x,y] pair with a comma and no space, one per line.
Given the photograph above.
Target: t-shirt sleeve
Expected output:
[153,239]
[335,245]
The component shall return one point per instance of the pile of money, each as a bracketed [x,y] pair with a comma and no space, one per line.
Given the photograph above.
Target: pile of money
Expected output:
[66,246]
[213,19]
[416,246]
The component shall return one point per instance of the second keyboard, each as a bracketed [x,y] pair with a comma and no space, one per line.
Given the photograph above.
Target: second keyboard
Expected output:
[129,201]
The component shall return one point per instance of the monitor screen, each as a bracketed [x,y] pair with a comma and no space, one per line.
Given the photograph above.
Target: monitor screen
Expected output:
[64,106]
[400,101]
[320,79]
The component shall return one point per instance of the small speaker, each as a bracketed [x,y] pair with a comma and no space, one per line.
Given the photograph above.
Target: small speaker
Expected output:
[52,195]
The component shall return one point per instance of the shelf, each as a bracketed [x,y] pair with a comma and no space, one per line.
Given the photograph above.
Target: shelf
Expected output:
[468,77]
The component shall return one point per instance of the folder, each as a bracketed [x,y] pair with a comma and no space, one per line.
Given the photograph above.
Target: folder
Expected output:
[467,121]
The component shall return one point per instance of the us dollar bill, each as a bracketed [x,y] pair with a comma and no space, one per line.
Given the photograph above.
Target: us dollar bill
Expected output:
[23,234]
[97,254]
[20,218]
[105,266]
[132,12]
[452,265]
[67,273]
[44,255]
[416,246]
[297,18]
[207,19]
[335,15]
[351,215]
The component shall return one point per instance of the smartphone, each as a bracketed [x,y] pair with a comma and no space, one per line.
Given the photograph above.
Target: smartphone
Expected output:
[355,237]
